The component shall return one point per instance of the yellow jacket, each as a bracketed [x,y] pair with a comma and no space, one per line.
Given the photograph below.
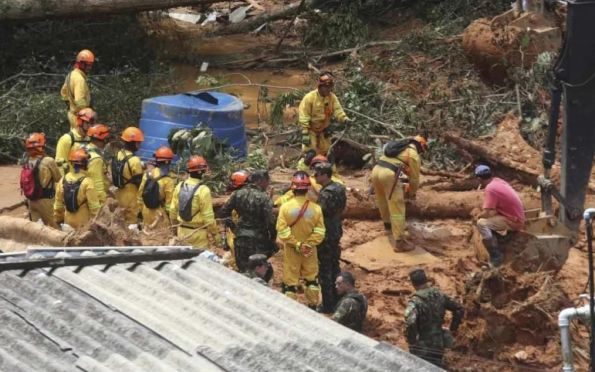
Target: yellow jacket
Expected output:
[312,194]
[87,201]
[411,160]
[316,111]
[166,189]
[76,91]
[133,168]
[309,229]
[49,174]
[97,171]
[65,145]
[202,207]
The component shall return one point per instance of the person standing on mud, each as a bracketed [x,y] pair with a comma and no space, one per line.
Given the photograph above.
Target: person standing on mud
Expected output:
[237,180]
[192,207]
[316,110]
[127,173]
[255,230]
[353,306]
[75,138]
[75,89]
[300,226]
[400,162]
[424,317]
[38,178]
[156,189]
[98,135]
[502,210]
[332,200]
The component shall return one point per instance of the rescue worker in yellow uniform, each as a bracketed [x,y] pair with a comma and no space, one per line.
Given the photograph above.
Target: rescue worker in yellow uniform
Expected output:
[76,200]
[192,207]
[237,180]
[316,110]
[39,187]
[127,173]
[395,177]
[157,188]
[98,136]
[75,89]
[315,188]
[300,226]
[75,138]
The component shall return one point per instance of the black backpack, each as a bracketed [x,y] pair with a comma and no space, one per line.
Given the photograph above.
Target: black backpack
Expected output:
[151,192]
[118,172]
[71,192]
[392,149]
[185,201]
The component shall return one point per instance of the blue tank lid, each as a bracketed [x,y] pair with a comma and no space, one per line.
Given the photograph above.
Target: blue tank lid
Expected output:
[195,100]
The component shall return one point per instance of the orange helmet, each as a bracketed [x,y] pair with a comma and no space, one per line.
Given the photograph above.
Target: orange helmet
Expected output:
[197,163]
[98,131]
[85,55]
[85,115]
[317,160]
[326,78]
[78,157]
[238,178]
[423,142]
[300,181]
[35,140]
[132,134]
[164,153]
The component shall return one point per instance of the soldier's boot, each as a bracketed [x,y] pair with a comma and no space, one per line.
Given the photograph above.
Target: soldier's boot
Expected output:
[496,256]
[403,245]
[387,226]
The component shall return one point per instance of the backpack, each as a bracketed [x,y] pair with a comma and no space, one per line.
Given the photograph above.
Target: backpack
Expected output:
[151,196]
[73,141]
[185,201]
[392,149]
[30,186]
[118,172]
[71,192]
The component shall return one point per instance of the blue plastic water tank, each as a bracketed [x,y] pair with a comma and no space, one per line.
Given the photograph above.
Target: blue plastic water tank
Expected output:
[161,114]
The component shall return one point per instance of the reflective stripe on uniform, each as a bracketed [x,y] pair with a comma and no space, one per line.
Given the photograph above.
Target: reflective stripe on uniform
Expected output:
[285,233]
[397,217]
[319,230]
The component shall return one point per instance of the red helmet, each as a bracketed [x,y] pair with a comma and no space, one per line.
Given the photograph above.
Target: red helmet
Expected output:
[196,164]
[326,78]
[164,153]
[98,131]
[35,140]
[300,181]
[238,179]
[317,160]
[85,55]
[79,157]
[86,115]
[132,134]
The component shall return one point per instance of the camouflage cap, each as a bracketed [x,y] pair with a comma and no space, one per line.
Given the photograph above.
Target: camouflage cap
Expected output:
[323,168]
[256,260]
[418,277]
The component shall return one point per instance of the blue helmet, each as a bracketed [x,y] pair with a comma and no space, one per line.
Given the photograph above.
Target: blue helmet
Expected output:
[483,171]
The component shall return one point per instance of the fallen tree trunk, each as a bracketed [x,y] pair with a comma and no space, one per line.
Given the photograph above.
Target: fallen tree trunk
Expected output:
[27,232]
[31,10]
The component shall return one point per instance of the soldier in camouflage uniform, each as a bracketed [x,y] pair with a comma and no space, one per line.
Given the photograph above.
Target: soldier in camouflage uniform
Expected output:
[258,268]
[424,317]
[332,200]
[255,231]
[353,306]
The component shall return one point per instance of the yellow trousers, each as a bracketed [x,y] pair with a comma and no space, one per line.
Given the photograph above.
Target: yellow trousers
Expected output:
[198,238]
[79,218]
[296,266]
[71,119]
[318,142]
[152,215]
[43,209]
[230,239]
[392,210]
[127,199]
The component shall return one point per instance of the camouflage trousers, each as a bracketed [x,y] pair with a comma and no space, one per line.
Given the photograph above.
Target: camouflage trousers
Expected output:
[246,247]
[329,254]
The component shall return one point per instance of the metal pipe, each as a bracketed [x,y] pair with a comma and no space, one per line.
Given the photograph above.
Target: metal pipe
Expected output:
[564,319]
[588,215]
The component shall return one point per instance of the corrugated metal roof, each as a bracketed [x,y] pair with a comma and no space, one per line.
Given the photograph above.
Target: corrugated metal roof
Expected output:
[184,315]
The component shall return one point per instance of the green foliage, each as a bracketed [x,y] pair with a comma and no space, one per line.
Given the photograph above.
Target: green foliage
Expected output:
[337,28]
[280,103]
[257,159]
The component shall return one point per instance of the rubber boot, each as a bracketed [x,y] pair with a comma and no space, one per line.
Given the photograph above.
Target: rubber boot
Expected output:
[496,257]
[387,226]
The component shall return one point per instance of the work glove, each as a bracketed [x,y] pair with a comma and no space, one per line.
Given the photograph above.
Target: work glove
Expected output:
[306,250]
[306,138]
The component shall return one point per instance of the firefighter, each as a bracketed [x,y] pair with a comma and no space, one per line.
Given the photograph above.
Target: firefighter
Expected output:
[192,207]
[157,188]
[400,159]
[127,173]
[76,200]
[98,136]
[38,178]
[75,138]
[237,180]
[75,90]
[315,112]
[300,226]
